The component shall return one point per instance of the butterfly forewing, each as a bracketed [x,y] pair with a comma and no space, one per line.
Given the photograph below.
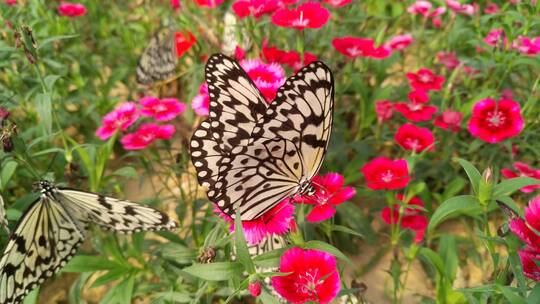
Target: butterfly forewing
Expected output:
[114,214]
[43,241]
[158,60]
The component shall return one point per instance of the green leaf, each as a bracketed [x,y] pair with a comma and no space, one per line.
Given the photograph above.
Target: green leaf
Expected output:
[267,298]
[218,271]
[315,244]
[175,297]
[534,296]
[508,186]
[54,38]
[32,297]
[44,111]
[511,295]
[242,251]
[88,263]
[434,258]
[269,259]
[111,275]
[50,80]
[7,172]
[457,205]
[127,172]
[178,253]
[346,230]
[473,173]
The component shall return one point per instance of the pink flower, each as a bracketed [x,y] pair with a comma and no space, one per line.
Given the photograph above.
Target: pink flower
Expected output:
[449,120]
[413,138]
[71,9]
[268,77]
[313,276]
[123,116]
[278,220]
[146,135]
[384,173]
[523,170]
[494,121]
[525,228]
[468,9]
[329,192]
[437,12]
[418,96]
[161,110]
[11,2]
[496,37]
[411,218]
[448,59]
[353,47]
[307,15]
[209,3]
[420,8]
[415,112]
[425,79]
[337,3]
[530,260]
[491,8]
[257,8]
[453,5]
[400,42]
[201,102]
[254,288]
[384,110]
[527,46]
[175,4]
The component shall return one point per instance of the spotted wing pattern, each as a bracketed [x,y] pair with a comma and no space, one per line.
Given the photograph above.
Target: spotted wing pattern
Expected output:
[43,241]
[158,60]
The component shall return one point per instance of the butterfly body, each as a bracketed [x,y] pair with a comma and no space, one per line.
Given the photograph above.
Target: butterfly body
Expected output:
[54,226]
[250,154]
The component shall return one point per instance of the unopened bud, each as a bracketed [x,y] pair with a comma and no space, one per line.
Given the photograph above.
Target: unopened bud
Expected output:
[7,144]
[485,187]
[254,288]
[4,113]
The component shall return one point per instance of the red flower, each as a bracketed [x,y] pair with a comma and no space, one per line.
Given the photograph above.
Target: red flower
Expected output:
[313,276]
[530,259]
[353,47]
[11,2]
[254,288]
[209,3]
[307,15]
[425,79]
[527,46]
[161,109]
[491,8]
[411,218]
[279,220]
[418,96]
[415,112]
[496,37]
[71,9]
[384,173]
[183,42]
[257,8]
[523,170]
[494,121]
[400,42]
[448,59]
[411,137]
[146,135]
[175,4]
[449,120]
[337,3]
[384,110]
[239,53]
[329,192]
[525,228]
[289,58]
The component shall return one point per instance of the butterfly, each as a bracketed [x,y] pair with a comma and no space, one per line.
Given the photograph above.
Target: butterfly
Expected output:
[158,60]
[54,226]
[3,218]
[250,154]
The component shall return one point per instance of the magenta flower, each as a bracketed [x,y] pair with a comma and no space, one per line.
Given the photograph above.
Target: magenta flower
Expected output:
[448,59]
[161,109]
[201,102]
[496,37]
[418,96]
[279,220]
[11,2]
[449,120]
[384,110]
[491,8]
[400,42]
[146,135]
[530,259]
[384,173]
[329,192]
[527,46]
[254,288]
[413,138]
[425,79]
[415,112]
[123,116]
[313,276]
[71,9]
[307,15]
[420,8]
[411,218]
[337,3]
[257,8]
[524,170]
[494,121]
[209,3]
[353,47]
[268,77]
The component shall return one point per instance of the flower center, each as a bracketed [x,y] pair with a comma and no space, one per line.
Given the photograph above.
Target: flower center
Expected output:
[354,51]
[425,78]
[160,108]
[413,143]
[387,176]
[415,106]
[308,282]
[496,118]
[301,22]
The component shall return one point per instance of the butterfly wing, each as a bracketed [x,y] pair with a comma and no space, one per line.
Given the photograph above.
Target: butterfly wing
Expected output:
[158,60]
[45,238]
[114,214]
[302,113]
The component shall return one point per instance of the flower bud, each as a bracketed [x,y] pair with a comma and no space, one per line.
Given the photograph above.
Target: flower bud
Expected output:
[485,187]
[254,288]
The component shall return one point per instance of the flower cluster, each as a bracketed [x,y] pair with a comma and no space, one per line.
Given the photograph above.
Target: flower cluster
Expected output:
[127,113]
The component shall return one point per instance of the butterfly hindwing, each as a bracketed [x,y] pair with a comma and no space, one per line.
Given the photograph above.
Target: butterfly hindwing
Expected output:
[158,60]
[43,241]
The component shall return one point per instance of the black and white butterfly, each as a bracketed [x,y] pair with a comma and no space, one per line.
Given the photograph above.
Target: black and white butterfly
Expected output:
[54,226]
[250,154]
[158,60]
